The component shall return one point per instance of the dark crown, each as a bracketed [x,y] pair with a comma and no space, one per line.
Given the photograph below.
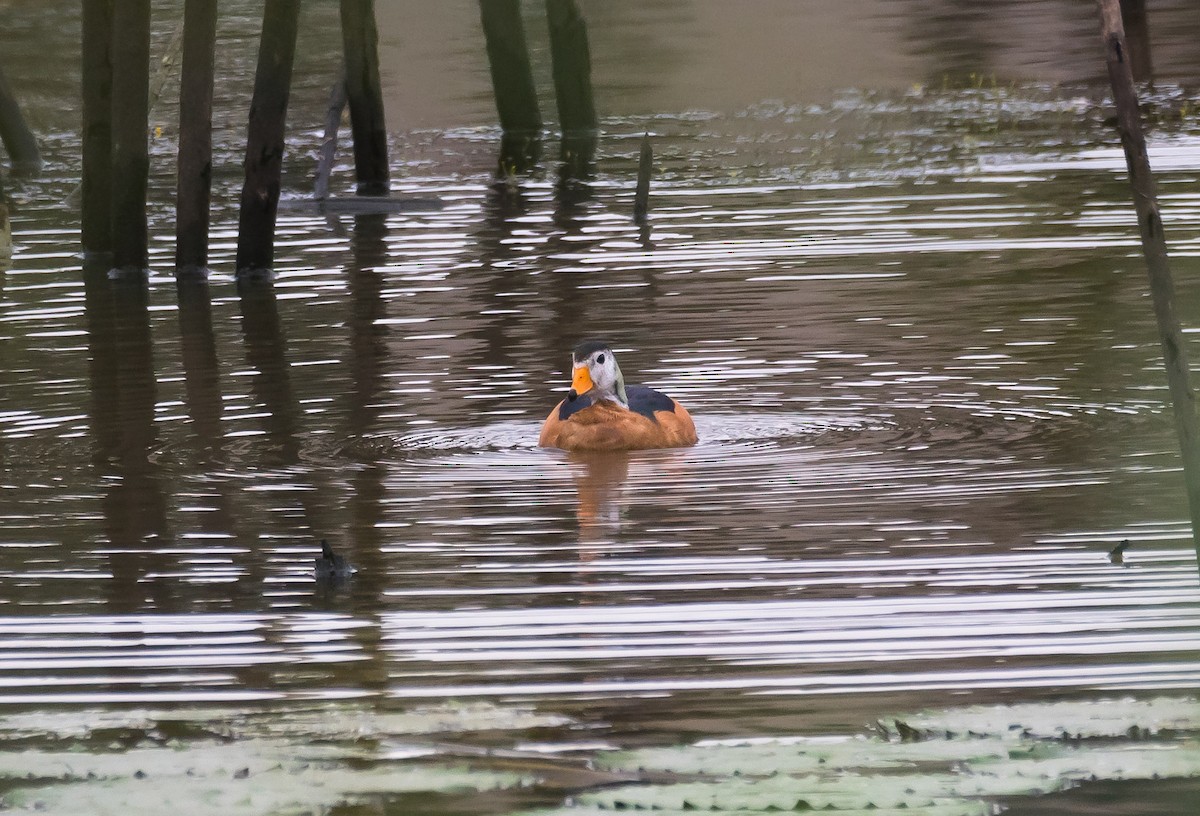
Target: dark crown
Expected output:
[589,347]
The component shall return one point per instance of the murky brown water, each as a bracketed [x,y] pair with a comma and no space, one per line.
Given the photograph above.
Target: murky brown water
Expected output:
[911,324]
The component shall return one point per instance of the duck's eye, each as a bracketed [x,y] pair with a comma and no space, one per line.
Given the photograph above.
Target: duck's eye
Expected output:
[600,359]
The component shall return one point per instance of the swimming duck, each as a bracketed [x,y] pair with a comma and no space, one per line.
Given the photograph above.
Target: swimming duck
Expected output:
[331,565]
[601,413]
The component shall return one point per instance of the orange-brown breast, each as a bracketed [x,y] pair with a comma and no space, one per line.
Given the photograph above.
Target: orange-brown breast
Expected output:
[608,426]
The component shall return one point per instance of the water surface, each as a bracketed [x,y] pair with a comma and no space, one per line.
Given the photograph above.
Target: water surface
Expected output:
[911,323]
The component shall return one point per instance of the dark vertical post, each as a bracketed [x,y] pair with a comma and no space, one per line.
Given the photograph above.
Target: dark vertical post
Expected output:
[1154,248]
[512,75]
[18,139]
[194,185]
[97,127]
[365,94]
[264,139]
[519,153]
[572,66]
[641,196]
[1137,36]
[131,121]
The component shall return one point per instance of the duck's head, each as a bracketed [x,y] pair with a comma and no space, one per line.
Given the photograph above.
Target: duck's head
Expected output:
[595,369]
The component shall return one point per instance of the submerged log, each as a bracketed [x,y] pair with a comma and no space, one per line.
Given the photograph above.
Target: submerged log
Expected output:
[333,122]
[167,62]
[512,75]
[130,145]
[96,187]
[264,139]
[572,67]
[1154,249]
[365,95]
[365,205]
[194,188]
[18,139]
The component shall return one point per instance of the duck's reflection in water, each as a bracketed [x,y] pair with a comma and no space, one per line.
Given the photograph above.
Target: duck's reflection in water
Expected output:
[606,485]
[600,481]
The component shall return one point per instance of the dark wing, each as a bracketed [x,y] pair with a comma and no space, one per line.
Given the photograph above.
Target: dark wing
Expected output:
[646,401]
[642,400]
[571,406]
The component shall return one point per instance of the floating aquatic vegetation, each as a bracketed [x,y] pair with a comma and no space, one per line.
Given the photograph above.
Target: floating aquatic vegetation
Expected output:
[230,761]
[251,777]
[952,762]
[325,721]
[1088,718]
[309,759]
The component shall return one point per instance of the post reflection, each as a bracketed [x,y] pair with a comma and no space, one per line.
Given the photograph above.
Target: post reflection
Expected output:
[504,204]
[573,192]
[271,385]
[368,364]
[205,405]
[124,393]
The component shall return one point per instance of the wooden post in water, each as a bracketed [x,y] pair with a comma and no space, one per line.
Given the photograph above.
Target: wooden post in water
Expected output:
[572,67]
[96,232]
[512,75]
[194,185]
[360,40]
[18,139]
[1154,248]
[264,139]
[131,121]
[641,196]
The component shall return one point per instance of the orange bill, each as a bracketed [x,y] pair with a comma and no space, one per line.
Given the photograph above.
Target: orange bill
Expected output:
[581,382]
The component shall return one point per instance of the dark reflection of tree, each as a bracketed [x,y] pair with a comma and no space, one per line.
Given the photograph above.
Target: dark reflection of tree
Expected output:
[202,393]
[368,364]
[5,365]
[958,37]
[649,34]
[572,195]
[505,202]
[123,387]
[1137,37]
[266,354]
[368,335]
[573,192]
